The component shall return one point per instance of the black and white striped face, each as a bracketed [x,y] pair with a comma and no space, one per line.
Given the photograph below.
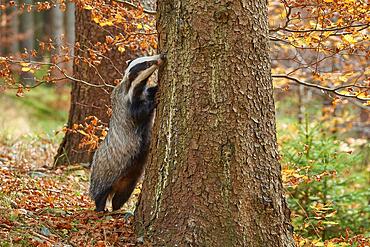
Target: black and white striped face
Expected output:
[140,69]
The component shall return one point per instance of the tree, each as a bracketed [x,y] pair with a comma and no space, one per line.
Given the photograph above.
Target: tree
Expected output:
[106,40]
[213,174]
[323,42]
[26,28]
[70,33]
[57,30]
[87,100]
[9,31]
[14,48]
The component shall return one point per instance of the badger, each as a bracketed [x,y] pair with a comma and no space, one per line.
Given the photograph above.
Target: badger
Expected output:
[119,160]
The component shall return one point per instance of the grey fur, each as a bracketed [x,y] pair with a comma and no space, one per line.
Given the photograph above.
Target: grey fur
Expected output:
[115,156]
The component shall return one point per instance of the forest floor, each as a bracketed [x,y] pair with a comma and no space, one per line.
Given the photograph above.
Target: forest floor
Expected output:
[40,206]
[45,206]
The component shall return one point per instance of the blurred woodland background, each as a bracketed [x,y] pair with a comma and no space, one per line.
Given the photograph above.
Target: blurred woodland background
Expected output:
[53,53]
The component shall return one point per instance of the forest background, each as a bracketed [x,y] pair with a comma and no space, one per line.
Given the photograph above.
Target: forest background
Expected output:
[320,66]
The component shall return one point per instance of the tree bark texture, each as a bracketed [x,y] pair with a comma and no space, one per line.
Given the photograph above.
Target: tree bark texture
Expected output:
[213,176]
[87,100]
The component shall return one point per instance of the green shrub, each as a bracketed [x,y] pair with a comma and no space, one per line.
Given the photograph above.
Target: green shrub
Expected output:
[326,183]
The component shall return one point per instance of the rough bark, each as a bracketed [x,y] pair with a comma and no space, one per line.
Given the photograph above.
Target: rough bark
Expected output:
[213,175]
[87,100]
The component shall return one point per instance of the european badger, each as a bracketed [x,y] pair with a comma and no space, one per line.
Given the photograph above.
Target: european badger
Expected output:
[119,161]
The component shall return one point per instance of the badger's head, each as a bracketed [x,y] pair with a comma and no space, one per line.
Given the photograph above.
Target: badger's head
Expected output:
[138,72]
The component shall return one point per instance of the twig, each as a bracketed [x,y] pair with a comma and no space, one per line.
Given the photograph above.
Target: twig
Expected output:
[304,211]
[42,237]
[327,89]
[5,226]
[288,11]
[131,5]
[62,71]
[51,228]
[323,29]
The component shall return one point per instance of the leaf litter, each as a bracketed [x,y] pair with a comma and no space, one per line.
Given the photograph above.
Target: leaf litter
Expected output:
[42,206]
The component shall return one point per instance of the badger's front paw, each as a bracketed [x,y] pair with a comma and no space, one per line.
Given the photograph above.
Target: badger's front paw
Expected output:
[151,92]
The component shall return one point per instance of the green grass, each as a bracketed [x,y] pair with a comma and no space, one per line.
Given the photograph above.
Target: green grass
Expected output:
[40,111]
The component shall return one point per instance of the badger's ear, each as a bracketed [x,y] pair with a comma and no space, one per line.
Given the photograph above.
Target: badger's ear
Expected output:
[128,62]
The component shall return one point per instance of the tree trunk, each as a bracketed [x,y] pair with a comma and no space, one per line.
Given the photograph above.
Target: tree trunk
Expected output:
[27,27]
[57,30]
[86,100]
[14,30]
[9,30]
[213,175]
[3,30]
[70,33]
[57,56]
[46,27]
[27,31]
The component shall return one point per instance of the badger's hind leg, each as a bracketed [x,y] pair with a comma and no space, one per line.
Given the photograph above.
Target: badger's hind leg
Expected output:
[123,190]
[101,200]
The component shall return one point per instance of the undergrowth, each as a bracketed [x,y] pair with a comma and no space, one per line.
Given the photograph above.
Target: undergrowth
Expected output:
[326,186]
[325,176]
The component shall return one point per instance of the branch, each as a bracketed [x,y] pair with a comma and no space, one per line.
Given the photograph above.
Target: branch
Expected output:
[129,4]
[288,11]
[134,6]
[62,71]
[327,89]
[363,26]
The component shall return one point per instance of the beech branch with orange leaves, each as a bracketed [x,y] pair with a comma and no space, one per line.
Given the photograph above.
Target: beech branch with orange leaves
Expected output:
[134,6]
[329,29]
[334,90]
[61,70]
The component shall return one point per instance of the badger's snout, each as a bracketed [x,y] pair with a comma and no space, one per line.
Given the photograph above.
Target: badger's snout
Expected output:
[162,58]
